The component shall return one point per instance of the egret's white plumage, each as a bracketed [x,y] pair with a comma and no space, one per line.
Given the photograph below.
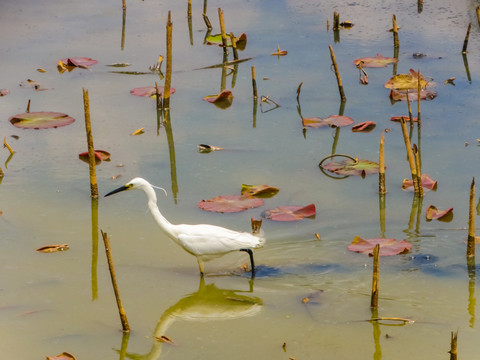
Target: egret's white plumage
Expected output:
[202,240]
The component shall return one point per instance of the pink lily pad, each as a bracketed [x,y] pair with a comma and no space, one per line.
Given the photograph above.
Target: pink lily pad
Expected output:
[332,121]
[401,95]
[388,247]
[427,183]
[349,167]
[99,156]
[375,62]
[79,61]
[149,91]
[41,120]
[290,213]
[222,100]
[433,213]
[365,126]
[230,203]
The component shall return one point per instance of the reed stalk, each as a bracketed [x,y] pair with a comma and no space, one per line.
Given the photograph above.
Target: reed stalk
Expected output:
[419,171]
[91,151]
[336,21]
[254,83]
[465,42]
[222,29]
[471,222]
[396,43]
[337,74]
[234,46]
[5,144]
[375,278]
[410,156]
[381,166]
[168,74]
[453,345]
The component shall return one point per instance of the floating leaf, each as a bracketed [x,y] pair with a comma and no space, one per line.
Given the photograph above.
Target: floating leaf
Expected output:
[165,339]
[365,126]
[222,100]
[399,119]
[81,62]
[332,121]
[204,148]
[241,41]
[449,81]
[406,81]
[401,95]
[62,356]
[388,247]
[433,213]
[375,62]
[99,156]
[42,70]
[138,131]
[280,52]
[4,92]
[427,183]
[230,203]
[290,213]
[41,120]
[53,248]
[149,91]
[352,167]
[264,191]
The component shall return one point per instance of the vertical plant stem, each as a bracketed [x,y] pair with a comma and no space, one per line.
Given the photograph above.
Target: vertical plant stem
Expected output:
[189,19]
[222,29]
[254,83]
[419,6]
[419,92]
[94,209]
[124,4]
[91,151]
[478,15]
[111,268]
[124,20]
[471,222]
[410,157]
[375,278]
[381,163]
[28,106]
[337,74]
[168,74]
[2,174]
[419,172]
[465,42]
[234,46]
[5,144]
[396,43]
[453,345]
[410,115]
[336,21]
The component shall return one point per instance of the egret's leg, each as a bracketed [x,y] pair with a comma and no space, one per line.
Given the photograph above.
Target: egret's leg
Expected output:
[250,253]
[201,266]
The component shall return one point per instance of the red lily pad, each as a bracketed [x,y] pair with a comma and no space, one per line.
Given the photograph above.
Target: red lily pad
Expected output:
[375,62]
[388,247]
[99,156]
[41,120]
[349,167]
[332,121]
[222,100]
[365,126]
[401,95]
[427,183]
[149,91]
[81,62]
[290,213]
[264,191]
[406,81]
[399,118]
[230,203]
[241,41]
[433,213]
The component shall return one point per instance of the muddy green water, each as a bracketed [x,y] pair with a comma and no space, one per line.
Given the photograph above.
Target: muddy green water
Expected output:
[50,303]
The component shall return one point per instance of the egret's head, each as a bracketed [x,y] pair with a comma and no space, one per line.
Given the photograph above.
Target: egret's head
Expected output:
[137,183]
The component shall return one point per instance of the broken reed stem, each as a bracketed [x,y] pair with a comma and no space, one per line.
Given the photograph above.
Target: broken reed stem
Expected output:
[419,171]
[471,222]
[376,272]
[189,9]
[381,165]
[2,174]
[396,43]
[234,46]
[28,106]
[419,92]
[111,268]
[5,144]
[168,74]
[453,345]
[91,151]
[410,157]
[254,83]
[124,4]
[336,21]
[337,74]
[222,29]
[465,42]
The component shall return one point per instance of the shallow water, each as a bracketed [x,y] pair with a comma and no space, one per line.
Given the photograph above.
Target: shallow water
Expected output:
[58,302]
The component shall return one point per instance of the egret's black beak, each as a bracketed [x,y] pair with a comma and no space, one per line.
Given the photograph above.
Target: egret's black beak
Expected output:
[121,188]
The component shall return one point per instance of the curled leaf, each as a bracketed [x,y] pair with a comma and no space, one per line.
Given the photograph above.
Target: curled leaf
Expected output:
[81,62]
[62,356]
[264,191]
[99,156]
[230,203]
[375,62]
[165,339]
[290,213]
[222,100]
[138,131]
[332,121]
[204,148]
[366,126]
[388,247]
[427,183]
[53,248]
[433,213]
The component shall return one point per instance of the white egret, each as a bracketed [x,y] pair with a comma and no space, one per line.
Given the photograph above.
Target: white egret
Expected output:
[204,241]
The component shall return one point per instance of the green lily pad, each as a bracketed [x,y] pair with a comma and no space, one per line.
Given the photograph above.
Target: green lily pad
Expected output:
[41,120]
[230,203]
[264,191]
[332,121]
[388,247]
[349,167]
[216,39]
[375,62]
[406,81]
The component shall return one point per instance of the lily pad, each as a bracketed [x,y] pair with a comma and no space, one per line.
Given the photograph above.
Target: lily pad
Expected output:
[388,247]
[401,95]
[427,183]
[290,213]
[149,91]
[365,126]
[349,167]
[41,120]
[332,121]
[222,100]
[264,191]
[205,148]
[62,356]
[241,41]
[375,62]
[82,62]
[433,213]
[406,81]
[99,156]
[53,248]
[230,203]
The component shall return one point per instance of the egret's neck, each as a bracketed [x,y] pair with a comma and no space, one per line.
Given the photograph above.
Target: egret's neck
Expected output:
[157,215]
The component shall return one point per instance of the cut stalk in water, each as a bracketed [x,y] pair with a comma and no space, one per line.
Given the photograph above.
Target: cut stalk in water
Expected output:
[189,19]
[419,91]
[465,42]
[28,106]
[411,158]
[417,168]
[5,144]
[375,279]
[222,29]
[254,83]
[91,151]
[111,268]
[205,17]
[396,43]
[381,163]
[478,15]
[234,46]
[453,345]
[419,6]
[471,222]
[168,74]
[337,74]
[336,21]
